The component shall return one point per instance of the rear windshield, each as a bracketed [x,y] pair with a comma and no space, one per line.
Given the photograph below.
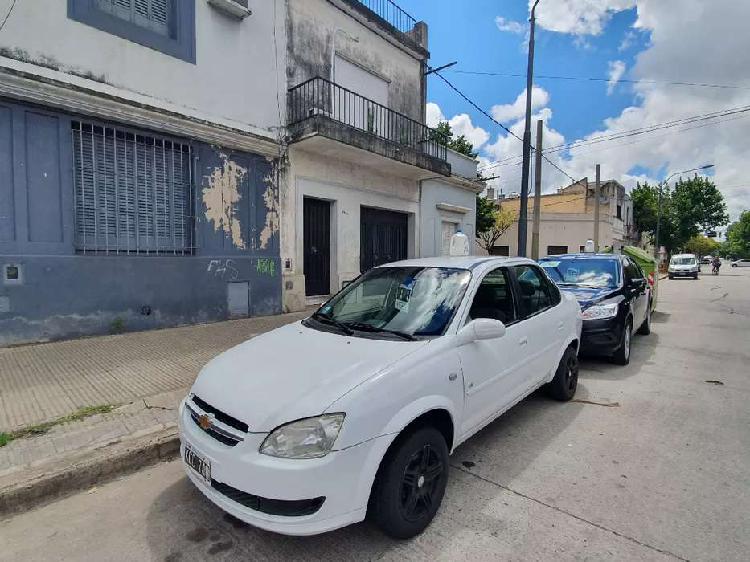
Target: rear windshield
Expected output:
[683,261]
[587,272]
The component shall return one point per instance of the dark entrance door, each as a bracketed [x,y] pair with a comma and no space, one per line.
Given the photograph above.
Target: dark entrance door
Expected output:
[317,243]
[384,237]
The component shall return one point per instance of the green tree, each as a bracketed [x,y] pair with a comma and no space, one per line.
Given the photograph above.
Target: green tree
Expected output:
[443,134]
[737,244]
[702,246]
[699,206]
[693,206]
[502,220]
[485,216]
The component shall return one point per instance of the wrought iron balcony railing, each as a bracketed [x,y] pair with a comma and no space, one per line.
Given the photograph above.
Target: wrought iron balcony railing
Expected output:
[390,12]
[319,97]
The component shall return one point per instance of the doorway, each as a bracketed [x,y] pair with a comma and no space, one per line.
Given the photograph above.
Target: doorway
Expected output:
[317,246]
[384,237]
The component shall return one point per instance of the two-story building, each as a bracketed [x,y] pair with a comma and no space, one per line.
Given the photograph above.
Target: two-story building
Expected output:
[358,147]
[169,162]
[568,218]
[139,150]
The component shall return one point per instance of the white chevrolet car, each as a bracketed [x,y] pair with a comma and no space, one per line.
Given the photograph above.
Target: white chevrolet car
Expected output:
[355,410]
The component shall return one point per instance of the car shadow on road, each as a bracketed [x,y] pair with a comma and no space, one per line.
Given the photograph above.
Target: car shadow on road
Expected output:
[184,525]
[641,354]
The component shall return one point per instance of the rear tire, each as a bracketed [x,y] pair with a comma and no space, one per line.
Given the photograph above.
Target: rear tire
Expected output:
[410,484]
[563,386]
[622,355]
[645,328]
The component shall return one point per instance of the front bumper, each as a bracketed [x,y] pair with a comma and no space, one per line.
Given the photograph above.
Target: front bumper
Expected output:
[601,337]
[683,273]
[241,476]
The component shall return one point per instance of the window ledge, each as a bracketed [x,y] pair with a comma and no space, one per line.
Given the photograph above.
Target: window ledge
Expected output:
[232,8]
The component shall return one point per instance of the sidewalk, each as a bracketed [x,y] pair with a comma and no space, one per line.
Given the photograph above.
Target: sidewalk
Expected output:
[142,376]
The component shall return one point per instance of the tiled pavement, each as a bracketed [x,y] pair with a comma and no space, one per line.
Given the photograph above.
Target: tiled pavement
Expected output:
[45,381]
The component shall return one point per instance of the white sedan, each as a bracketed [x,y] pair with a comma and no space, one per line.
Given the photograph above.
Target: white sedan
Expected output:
[355,410]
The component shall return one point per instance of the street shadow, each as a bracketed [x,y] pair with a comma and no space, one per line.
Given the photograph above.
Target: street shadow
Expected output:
[641,354]
[658,317]
[183,525]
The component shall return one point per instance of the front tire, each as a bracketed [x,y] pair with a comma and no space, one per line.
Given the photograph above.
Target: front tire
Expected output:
[622,355]
[671,276]
[410,484]
[563,386]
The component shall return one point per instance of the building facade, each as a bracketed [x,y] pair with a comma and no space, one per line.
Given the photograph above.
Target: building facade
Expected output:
[139,163]
[567,219]
[448,205]
[358,149]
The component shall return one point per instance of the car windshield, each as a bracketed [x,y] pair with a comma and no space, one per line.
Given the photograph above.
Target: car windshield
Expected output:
[402,301]
[683,260]
[588,272]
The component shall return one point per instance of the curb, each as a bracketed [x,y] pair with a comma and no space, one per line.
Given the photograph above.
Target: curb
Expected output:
[83,470]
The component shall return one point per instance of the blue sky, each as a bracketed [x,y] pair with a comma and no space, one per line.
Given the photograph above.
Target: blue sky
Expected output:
[651,41]
[471,37]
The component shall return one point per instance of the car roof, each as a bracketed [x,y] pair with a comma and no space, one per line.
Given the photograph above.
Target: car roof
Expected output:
[458,262]
[683,256]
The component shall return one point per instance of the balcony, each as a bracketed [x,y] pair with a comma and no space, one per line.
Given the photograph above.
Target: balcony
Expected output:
[389,12]
[324,115]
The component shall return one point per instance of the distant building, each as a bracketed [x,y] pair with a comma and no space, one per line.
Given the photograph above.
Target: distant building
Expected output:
[567,219]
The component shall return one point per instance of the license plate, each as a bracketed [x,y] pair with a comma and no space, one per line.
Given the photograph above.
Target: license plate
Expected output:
[198,463]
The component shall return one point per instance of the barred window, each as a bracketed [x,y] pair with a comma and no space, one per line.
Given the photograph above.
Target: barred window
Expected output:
[133,192]
[155,15]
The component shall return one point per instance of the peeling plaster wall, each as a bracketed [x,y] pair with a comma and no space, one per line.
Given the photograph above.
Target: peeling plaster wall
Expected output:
[223,83]
[63,293]
[311,27]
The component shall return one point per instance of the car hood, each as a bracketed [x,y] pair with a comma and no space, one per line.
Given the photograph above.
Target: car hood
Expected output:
[586,296]
[293,372]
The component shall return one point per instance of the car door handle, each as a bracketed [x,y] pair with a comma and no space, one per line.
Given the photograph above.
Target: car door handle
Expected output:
[523,341]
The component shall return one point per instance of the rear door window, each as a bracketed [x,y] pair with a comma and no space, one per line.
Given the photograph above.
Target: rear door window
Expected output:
[535,292]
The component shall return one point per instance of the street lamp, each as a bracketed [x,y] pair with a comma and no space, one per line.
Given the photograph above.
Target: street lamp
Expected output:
[661,187]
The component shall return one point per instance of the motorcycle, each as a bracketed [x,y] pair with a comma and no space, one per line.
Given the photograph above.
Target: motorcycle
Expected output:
[715,269]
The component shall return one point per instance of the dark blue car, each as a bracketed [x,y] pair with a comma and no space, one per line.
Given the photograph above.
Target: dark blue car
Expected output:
[614,296]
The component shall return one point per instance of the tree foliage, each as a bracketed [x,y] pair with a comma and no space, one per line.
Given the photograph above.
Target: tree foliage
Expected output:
[502,220]
[443,134]
[693,206]
[702,246]
[485,217]
[737,244]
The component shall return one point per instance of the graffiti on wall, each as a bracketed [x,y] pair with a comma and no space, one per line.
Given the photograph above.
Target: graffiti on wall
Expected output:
[266,266]
[222,196]
[223,268]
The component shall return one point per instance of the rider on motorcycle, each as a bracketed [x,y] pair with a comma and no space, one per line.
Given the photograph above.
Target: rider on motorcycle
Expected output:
[716,262]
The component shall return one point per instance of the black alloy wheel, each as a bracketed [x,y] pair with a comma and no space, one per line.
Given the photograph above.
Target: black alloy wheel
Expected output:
[419,483]
[563,386]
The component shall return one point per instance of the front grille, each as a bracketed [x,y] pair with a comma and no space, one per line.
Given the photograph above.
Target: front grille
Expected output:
[288,508]
[221,416]
[214,431]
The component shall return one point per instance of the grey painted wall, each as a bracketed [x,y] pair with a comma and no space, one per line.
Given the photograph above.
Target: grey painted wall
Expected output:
[61,293]
[435,193]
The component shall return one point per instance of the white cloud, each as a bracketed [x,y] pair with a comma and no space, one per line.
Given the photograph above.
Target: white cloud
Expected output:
[578,17]
[717,33]
[616,71]
[510,26]
[517,109]
[628,41]
[460,125]
[433,115]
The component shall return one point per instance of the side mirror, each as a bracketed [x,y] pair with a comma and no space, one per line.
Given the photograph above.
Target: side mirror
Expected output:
[481,329]
[638,283]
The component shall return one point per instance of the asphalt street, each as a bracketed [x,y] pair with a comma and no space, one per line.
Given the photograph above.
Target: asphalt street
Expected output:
[651,462]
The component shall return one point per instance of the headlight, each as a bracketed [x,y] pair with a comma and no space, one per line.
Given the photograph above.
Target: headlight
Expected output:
[304,439]
[600,311]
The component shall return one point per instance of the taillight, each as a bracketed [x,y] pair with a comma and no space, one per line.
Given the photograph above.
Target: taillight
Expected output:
[651,278]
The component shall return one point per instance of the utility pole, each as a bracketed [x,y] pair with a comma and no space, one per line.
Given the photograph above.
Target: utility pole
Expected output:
[522,214]
[537,191]
[597,188]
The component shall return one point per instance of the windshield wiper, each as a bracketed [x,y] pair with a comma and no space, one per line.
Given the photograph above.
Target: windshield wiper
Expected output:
[326,319]
[362,327]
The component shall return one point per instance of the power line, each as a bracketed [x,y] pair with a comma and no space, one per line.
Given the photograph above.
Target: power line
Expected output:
[602,79]
[483,112]
[7,15]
